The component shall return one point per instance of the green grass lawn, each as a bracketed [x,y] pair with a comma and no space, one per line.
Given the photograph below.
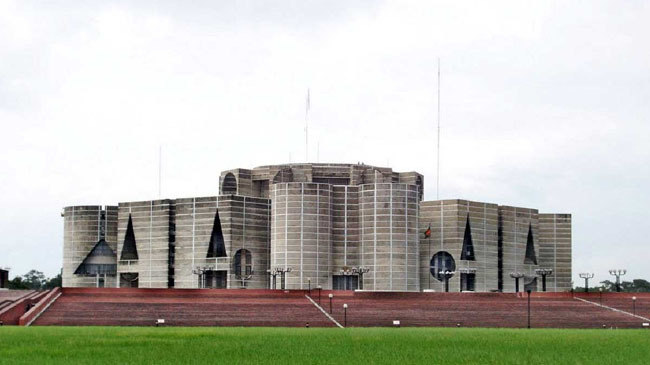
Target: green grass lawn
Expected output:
[122,345]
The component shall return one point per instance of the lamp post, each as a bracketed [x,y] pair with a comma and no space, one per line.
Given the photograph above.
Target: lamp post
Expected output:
[446,276]
[200,271]
[516,275]
[345,315]
[634,305]
[319,290]
[282,271]
[360,270]
[601,296]
[309,285]
[331,296]
[586,276]
[543,272]
[528,292]
[618,273]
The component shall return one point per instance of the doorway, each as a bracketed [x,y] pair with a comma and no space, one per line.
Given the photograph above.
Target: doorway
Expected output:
[345,282]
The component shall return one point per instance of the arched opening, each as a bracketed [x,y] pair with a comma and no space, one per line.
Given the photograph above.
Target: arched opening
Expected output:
[229,185]
[442,264]
[243,263]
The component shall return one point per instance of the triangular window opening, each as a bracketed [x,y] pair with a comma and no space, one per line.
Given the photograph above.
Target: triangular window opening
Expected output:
[468,246]
[217,246]
[100,260]
[531,258]
[129,248]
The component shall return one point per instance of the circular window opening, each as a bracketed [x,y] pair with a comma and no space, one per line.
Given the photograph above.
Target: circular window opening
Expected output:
[229,184]
[442,263]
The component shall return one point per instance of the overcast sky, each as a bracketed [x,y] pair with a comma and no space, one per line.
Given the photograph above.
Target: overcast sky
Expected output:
[543,105]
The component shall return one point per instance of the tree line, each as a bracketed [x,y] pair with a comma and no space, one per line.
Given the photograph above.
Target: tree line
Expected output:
[34,280]
[634,286]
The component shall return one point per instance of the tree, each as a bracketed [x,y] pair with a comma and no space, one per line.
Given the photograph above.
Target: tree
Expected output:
[35,279]
[17,283]
[53,282]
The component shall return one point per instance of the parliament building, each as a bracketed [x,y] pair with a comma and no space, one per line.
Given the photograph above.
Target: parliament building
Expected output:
[334,226]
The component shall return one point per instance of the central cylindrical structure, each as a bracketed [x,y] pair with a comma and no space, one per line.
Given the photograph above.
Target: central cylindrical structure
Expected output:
[300,233]
[389,238]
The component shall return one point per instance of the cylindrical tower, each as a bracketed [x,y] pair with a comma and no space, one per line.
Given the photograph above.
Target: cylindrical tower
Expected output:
[84,227]
[389,236]
[300,234]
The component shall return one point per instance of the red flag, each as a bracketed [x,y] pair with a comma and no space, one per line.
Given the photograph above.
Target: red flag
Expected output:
[427,233]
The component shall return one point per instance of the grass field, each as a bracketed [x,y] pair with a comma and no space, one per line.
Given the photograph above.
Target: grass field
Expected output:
[122,345]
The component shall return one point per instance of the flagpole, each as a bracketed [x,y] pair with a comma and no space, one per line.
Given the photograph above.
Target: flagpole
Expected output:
[160,172]
[307,128]
[438,152]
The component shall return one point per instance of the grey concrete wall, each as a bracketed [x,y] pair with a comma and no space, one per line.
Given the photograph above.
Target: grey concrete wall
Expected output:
[345,228]
[515,223]
[555,249]
[448,219]
[389,238]
[151,227]
[82,229]
[301,233]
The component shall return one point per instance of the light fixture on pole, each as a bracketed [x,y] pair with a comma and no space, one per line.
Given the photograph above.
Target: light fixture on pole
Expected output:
[586,276]
[360,270]
[634,305]
[345,315]
[517,275]
[618,273]
[331,296]
[282,271]
[446,275]
[528,291]
[543,272]
[601,295]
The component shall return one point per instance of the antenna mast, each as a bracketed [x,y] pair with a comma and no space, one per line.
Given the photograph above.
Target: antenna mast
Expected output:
[160,172]
[438,154]
[307,128]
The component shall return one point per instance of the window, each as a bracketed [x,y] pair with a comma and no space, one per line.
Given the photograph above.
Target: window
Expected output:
[229,185]
[217,247]
[468,245]
[129,247]
[243,263]
[442,262]
[100,261]
[531,258]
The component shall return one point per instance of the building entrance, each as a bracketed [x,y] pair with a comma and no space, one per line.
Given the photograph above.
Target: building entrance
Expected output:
[345,282]
[467,282]
[216,279]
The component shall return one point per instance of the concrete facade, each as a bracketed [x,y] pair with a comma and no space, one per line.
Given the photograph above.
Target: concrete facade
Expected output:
[337,226]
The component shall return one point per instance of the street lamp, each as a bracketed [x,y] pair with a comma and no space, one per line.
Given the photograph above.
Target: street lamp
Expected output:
[360,270]
[528,291]
[601,296]
[618,273]
[517,275]
[319,290]
[282,271]
[200,271]
[446,274]
[331,296]
[543,272]
[634,305]
[586,276]
[345,315]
